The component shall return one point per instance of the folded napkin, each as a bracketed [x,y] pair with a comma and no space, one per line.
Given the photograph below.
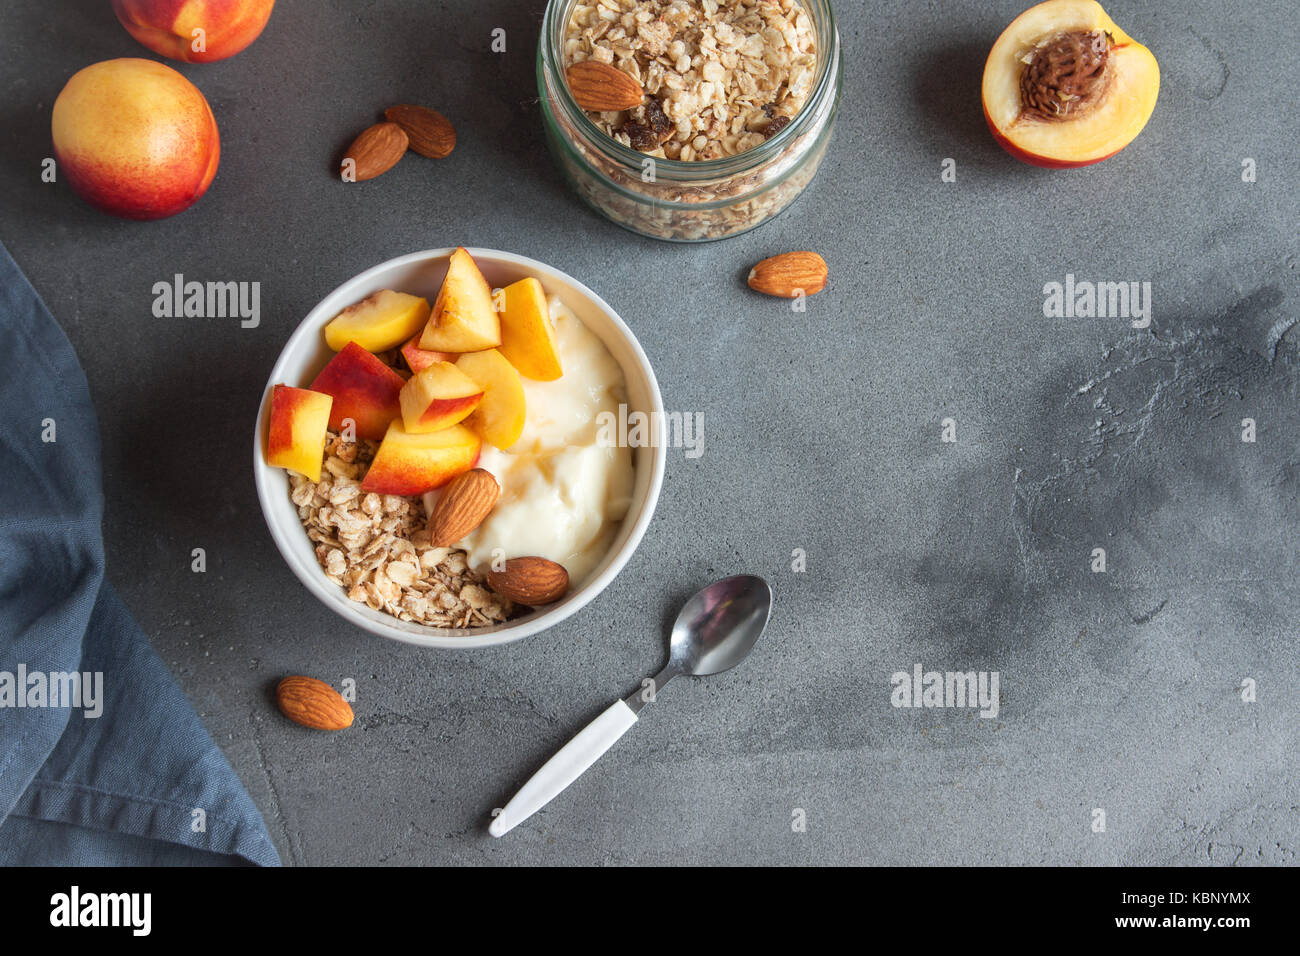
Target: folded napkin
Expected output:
[102,759]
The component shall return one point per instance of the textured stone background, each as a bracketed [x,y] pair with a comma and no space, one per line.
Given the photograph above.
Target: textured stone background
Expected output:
[1121,690]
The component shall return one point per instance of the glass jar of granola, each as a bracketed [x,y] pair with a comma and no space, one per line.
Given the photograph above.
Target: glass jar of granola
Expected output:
[739,102]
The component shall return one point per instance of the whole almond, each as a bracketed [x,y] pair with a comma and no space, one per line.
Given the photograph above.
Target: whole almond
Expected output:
[531,581]
[790,275]
[375,151]
[463,506]
[428,131]
[313,703]
[603,88]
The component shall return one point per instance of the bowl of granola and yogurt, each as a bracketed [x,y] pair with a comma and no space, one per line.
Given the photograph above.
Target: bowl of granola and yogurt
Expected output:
[732,109]
[368,451]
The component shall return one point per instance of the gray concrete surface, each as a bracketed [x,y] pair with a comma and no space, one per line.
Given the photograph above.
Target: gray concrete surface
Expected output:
[1121,691]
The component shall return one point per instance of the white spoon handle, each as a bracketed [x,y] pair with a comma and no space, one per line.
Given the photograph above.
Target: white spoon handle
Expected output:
[565,767]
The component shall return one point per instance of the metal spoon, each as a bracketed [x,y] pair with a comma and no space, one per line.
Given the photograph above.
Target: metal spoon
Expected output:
[715,630]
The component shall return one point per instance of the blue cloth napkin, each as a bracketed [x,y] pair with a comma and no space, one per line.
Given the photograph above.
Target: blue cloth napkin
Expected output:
[112,767]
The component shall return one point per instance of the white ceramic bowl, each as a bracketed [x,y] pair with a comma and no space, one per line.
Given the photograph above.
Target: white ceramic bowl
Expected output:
[421,273]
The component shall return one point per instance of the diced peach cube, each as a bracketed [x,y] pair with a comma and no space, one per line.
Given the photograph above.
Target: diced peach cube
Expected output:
[364,389]
[379,322]
[463,319]
[527,336]
[439,396]
[500,417]
[409,464]
[296,437]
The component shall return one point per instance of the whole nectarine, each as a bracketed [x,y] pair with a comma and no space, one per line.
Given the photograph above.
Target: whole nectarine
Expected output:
[135,138]
[197,31]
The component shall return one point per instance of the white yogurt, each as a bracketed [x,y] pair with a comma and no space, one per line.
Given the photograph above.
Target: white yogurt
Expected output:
[563,494]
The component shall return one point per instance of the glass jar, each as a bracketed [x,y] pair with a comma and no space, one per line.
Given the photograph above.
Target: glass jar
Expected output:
[687,201]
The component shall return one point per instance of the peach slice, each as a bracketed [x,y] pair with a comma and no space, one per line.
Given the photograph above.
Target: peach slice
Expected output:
[296,438]
[463,319]
[364,389]
[409,464]
[500,417]
[527,336]
[1064,86]
[418,359]
[378,322]
[439,396]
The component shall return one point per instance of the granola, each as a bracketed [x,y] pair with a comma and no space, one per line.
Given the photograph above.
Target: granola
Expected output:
[769,151]
[377,547]
[721,76]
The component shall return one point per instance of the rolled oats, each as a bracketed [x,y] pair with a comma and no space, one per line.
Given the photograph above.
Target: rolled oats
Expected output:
[700,62]
[733,75]
[377,547]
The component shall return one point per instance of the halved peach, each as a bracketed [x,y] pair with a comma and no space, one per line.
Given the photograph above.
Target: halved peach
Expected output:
[296,438]
[437,397]
[418,359]
[1064,86]
[527,336]
[463,319]
[364,389]
[409,464]
[379,322]
[500,417]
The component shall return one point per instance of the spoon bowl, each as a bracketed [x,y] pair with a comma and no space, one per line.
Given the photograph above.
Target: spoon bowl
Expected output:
[718,626]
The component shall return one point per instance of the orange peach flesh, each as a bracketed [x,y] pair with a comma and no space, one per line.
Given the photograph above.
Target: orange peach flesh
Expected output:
[527,339]
[135,138]
[167,26]
[502,414]
[1116,120]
